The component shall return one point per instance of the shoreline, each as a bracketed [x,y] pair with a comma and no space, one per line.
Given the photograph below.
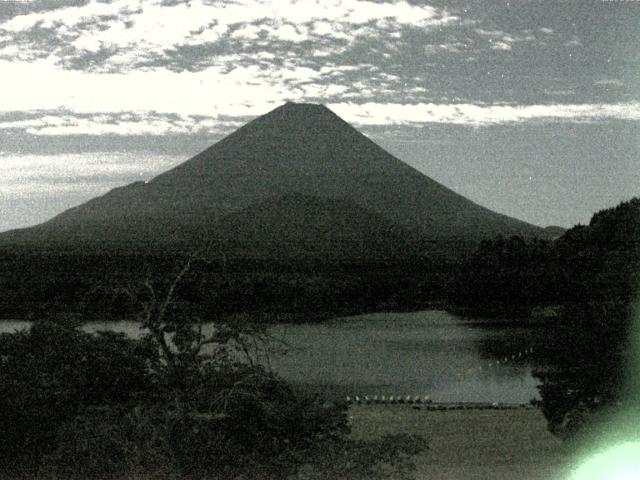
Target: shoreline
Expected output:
[438,406]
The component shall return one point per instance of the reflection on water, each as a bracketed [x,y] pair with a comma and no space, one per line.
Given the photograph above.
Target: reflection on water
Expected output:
[419,353]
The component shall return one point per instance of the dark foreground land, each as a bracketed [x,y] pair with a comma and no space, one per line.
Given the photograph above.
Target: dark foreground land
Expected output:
[473,444]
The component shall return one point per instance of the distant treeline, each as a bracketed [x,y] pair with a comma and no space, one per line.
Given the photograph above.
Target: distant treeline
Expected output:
[43,285]
[508,277]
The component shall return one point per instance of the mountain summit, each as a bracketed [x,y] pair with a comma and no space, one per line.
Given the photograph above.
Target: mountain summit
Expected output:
[298,179]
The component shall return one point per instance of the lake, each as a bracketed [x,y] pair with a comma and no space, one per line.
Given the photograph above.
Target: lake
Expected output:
[430,353]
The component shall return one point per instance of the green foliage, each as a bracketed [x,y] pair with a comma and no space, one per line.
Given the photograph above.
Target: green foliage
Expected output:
[255,426]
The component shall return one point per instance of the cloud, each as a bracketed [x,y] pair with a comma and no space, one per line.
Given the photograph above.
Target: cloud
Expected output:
[481,115]
[559,93]
[126,34]
[96,172]
[186,93]
[501,41]
[201,57]
[365,114]
[243,90]
[573,43]
[325,28]
[501,46]
[489,33]
[610,82]
[129,124]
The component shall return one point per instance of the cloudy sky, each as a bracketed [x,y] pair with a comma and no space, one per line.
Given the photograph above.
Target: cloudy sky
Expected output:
[531,108]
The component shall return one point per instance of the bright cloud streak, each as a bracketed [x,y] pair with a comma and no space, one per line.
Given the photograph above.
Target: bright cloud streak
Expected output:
[133,123]
[368,114]
[215,93]
[479,115]
[202,93]
[26,175]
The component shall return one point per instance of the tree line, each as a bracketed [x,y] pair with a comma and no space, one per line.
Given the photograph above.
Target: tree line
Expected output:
[37,285]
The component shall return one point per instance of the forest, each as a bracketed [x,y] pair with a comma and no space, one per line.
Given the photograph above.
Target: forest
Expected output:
[37,285]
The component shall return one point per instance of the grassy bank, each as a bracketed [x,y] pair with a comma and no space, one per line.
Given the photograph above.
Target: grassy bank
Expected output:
[469,444]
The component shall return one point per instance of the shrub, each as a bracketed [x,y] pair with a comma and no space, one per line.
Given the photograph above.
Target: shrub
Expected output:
[51,373]
[111,443]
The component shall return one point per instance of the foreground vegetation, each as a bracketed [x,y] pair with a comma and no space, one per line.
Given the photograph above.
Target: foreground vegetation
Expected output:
[174,404]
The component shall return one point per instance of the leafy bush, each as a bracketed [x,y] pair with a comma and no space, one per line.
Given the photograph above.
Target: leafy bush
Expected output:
[587,365]
[111,443]
[51,373]
[243,421]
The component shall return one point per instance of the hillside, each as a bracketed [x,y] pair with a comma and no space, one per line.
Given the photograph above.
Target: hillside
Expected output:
[296,149]
[301,226]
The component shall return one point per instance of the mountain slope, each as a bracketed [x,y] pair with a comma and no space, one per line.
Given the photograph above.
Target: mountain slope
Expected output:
[302,226]
[295,149]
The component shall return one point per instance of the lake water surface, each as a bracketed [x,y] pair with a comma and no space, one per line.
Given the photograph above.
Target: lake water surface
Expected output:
[419,353]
